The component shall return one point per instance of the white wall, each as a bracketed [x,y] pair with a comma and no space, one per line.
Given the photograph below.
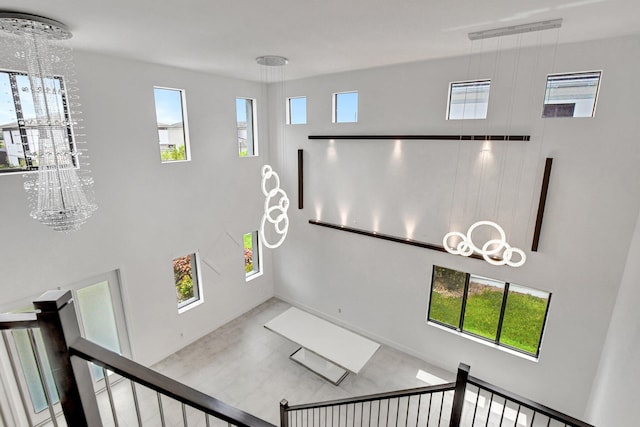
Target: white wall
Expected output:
[615,395]
[149,213]
[419,189]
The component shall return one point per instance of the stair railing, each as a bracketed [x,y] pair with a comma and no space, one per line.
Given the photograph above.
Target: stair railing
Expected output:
[409,408]
[467,402]
[69,354]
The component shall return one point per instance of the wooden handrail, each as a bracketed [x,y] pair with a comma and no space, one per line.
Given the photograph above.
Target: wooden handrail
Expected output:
[523,401]
[378,396]
[18,321]
[142,375]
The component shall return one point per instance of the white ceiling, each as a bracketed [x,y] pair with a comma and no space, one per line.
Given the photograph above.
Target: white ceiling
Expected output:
[318,36]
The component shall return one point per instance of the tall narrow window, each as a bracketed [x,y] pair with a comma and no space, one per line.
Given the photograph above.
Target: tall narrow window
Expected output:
[187,281]
[503,313]
[447,291]
[251,255]
[171,120]
[246,126]
[297,110]
[468,100]
[345,107]
[18,124]
[571,95]
[484,303]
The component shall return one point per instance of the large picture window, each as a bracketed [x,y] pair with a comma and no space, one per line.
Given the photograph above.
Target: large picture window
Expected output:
[504,313]
[18,122]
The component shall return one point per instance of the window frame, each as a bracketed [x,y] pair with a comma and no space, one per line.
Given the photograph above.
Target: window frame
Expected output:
[23,127]
[198,297]
[288,110]
[460,327]
[256,256]
[253,152]
[334,106]
[574,74]
[185,124]
[466,82]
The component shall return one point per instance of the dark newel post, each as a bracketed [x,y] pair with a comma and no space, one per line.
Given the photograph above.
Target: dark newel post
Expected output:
[59,326]
[284,418]
[458,397]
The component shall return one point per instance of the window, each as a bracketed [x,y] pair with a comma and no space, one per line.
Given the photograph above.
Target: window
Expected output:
[297,110]
[251,255]
[504,313]
[345,107]
[187,281]
[468,100]
[571,95]
[246,125]
[18,121]
[171,120]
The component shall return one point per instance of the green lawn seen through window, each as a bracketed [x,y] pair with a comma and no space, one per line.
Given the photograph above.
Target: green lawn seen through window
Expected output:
[523,318]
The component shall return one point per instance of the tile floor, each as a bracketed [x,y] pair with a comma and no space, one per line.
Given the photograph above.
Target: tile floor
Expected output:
[247,366]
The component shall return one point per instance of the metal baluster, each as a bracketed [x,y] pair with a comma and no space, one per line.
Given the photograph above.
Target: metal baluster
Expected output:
[406,418]
[353,423]
[429,411]
[388,407]
[549,422]
[161,410]
[206,419]
[533,418]
[418,411]
[313,417]
[475,409]
[326,412]
[441,405]
[332,416]
[113,406]
[489,410]
[515,423]
[504,408]
[361,413]
[398,412]
[370,405]
[339,414]
[379,403]
[184,415]
[135,402]
[43,380]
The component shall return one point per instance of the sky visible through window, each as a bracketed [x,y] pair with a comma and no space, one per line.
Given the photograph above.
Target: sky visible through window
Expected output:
[241,109]
[346,107]
[298,110]
[7,106]
[168,105]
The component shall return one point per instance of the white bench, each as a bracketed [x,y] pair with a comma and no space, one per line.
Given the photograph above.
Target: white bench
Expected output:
[325,348]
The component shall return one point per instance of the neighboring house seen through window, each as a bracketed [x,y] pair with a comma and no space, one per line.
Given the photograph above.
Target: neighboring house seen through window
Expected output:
[18,122]
[172,124]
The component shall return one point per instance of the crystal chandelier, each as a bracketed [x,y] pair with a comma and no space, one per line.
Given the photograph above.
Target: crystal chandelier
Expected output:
[59,194]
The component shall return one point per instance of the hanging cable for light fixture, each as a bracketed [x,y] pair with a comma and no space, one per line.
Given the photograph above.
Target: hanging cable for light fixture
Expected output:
[496,251]
[60,193]
[276,201]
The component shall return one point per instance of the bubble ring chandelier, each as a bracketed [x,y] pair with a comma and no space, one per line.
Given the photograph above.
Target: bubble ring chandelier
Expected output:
[276,214]
[58,194]
[490,249]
